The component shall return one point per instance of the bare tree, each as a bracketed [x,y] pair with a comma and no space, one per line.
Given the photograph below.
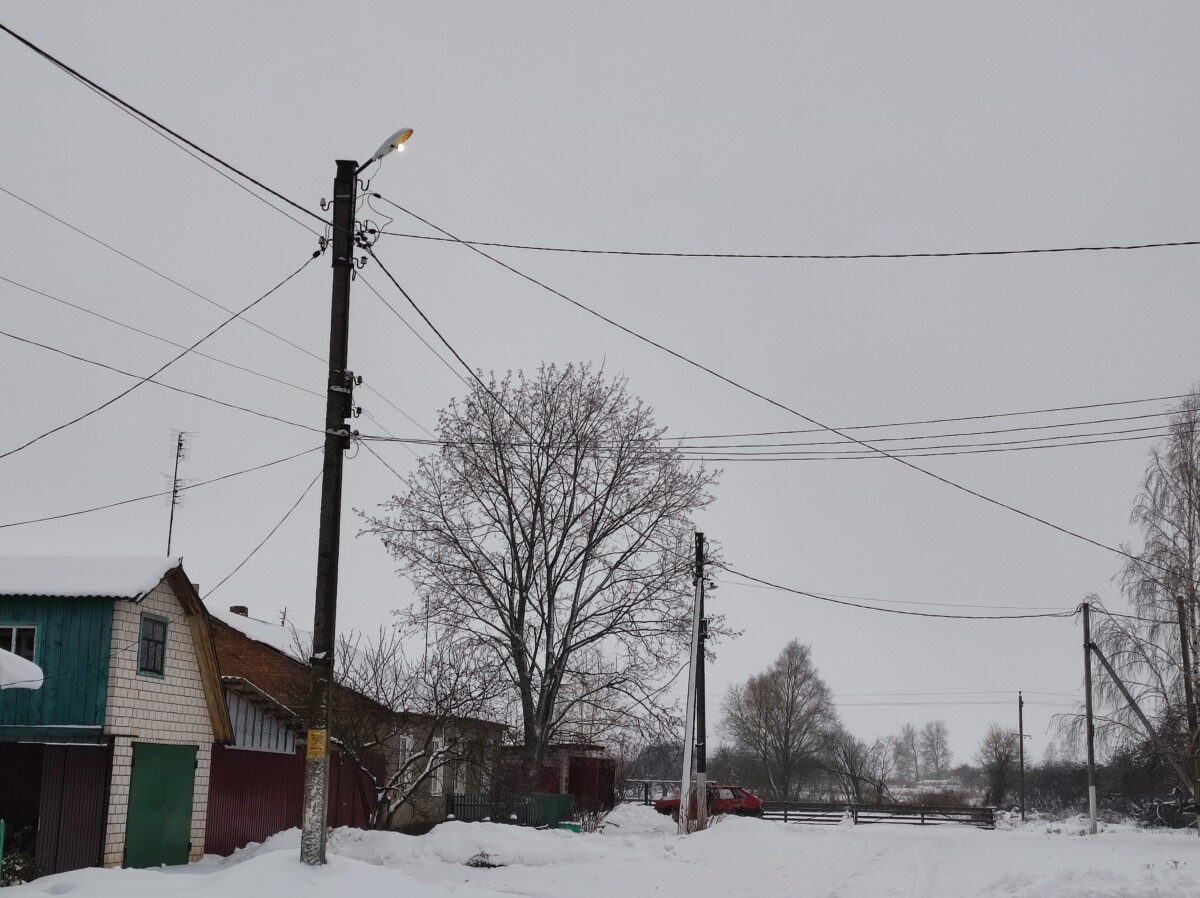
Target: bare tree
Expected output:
[997,760]
[908,754]
[553,530]
[783,717]
[862,768]
[1156,652]
[934,743]
[413,722]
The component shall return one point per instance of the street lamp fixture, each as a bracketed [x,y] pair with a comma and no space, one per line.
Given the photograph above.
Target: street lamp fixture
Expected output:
[394,143]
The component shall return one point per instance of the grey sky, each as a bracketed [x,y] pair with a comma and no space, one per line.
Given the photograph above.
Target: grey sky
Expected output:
[752,128]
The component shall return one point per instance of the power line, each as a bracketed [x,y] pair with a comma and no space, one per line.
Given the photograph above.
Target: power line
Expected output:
[776,403]
[109,95]
[1041,411]
[798,256]
[828,455]
[890,601]
[159,274]
[254,551]
[189,486]
[157,383]
[685,446]
[833,601]
[415,333]
[157,371]
[152,336]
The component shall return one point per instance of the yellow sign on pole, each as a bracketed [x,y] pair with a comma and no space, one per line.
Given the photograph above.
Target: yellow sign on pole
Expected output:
[318,743]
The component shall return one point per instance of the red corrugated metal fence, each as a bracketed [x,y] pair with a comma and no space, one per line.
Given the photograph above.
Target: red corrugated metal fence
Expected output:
[255,794]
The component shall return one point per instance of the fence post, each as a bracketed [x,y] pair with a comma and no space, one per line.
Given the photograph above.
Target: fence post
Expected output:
[785,810]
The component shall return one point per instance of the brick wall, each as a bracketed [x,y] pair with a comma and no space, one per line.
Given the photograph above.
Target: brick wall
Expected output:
[169,709]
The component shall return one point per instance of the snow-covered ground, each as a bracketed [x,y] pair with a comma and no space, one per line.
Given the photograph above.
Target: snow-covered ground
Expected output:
[639,854]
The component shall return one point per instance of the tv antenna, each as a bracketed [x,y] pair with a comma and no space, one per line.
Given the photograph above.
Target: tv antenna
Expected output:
[181,448]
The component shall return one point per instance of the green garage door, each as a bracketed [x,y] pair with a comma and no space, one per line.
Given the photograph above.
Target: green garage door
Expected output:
[159,827]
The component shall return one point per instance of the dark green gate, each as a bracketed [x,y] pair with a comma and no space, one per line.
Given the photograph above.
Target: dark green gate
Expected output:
[158,829]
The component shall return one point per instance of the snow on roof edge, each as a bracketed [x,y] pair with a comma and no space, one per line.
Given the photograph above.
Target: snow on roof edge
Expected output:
[77,576]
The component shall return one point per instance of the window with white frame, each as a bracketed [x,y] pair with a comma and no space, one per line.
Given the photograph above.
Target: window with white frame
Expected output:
[460,776]
[404,755]
[437,778]
[20,639]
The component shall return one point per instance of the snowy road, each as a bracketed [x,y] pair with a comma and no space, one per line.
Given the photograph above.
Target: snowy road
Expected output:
[639,855]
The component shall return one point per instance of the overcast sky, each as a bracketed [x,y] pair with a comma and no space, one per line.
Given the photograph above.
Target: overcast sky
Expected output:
[769,128]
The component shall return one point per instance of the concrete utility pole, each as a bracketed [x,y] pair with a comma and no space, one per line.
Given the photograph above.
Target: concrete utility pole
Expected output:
[701,730]
[689,721]
[338,407]
[1091,727]
[1189,698]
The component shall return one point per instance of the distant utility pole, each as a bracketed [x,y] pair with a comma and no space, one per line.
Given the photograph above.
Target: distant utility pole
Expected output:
[689,723]
[1091,727]
[1021,742]
[182,449]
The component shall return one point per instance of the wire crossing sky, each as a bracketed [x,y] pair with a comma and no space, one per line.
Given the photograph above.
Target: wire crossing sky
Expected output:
[1020,180]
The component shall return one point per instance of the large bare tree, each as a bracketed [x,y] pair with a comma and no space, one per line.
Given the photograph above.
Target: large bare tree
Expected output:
[1155,651]
[997,760]
[784,717]
[553,529]
[934,743]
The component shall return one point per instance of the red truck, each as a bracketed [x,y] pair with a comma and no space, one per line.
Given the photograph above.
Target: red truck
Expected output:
[721,800]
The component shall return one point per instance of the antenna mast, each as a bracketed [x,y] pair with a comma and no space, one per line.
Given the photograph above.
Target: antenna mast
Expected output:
[181,446]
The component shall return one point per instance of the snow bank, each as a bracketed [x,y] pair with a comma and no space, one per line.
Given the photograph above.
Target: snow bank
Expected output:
[639,854]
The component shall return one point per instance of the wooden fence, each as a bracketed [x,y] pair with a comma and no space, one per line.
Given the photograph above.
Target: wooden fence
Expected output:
[529,810]
[919,815]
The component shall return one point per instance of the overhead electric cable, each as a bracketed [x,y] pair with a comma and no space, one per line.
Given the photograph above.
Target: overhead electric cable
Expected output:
[156,123]
[1040,411]
[152,375]
[415,333]
[828,455]
[774,402]
[152,336]
[799,256]
[140,379]
[159,274]
[254,551]
[833,601]
[158,495]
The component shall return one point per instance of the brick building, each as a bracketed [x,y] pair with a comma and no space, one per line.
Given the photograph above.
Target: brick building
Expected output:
[108,762]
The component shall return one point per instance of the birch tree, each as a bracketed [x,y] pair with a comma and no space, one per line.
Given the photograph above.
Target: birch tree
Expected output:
[1155,651]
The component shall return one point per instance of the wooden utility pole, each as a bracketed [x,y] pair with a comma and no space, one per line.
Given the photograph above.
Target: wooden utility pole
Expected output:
[1091,727]
[339,406]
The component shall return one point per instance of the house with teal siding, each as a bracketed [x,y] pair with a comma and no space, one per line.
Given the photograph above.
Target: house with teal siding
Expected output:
[108,761]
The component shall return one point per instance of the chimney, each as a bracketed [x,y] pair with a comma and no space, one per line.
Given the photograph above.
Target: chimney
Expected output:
[240,609]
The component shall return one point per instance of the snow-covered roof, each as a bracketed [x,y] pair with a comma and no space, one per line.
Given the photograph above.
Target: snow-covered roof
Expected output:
[128,577]
[286,638]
